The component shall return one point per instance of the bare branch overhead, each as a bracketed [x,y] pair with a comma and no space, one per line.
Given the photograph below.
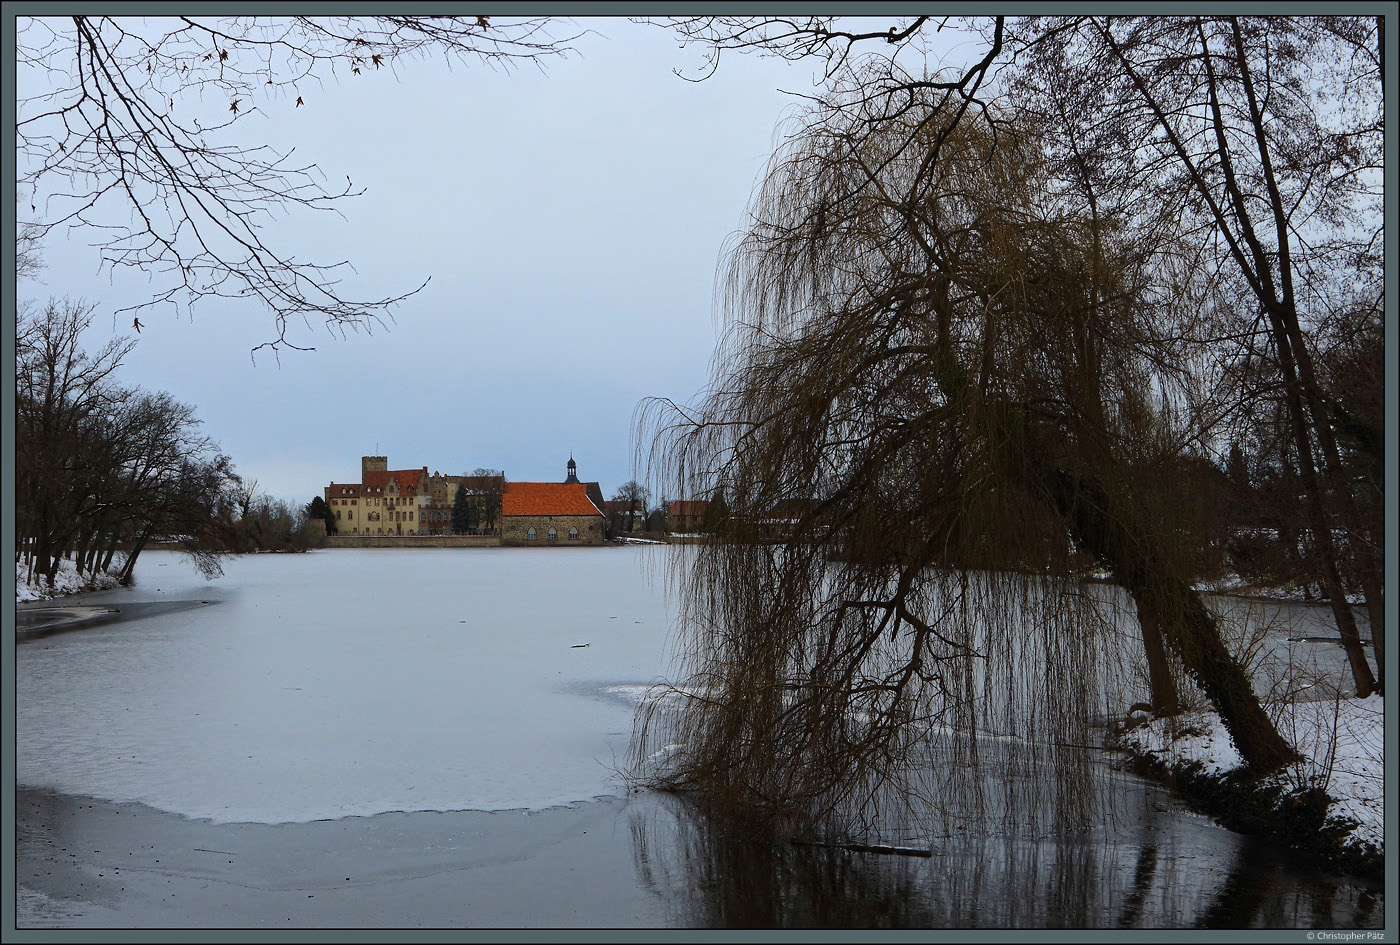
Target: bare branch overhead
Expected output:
[134,139]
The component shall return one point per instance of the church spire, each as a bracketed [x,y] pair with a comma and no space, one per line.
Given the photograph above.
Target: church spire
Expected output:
[573,471]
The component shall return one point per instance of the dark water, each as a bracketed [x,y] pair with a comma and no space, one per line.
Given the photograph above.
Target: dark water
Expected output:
[648,861]
[1152,864]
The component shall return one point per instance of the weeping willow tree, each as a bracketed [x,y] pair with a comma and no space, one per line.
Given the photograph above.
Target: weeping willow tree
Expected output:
[942,395]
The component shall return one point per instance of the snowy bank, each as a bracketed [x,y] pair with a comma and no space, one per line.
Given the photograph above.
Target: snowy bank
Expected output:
[66,581]
[1337,788]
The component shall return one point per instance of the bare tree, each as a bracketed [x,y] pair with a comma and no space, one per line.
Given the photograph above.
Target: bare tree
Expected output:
[967,370]
[636,495]
[28,261]
[1264,135]
[488,488]
[63,396]
[820,38]
[102,467]
[137,120]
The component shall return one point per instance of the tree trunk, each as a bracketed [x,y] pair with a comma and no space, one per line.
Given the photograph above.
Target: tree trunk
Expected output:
[80,554]
[1297,374]
[1173,606]
[1196,639]
[1164,698]
[129,567]
[1375,612]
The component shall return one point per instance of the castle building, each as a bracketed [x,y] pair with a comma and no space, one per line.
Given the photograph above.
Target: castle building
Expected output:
[384,502]
[483,499]
[410,502]
[592,489]
[550,513]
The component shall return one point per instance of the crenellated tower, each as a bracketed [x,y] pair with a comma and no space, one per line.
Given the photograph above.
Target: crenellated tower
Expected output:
[369,464]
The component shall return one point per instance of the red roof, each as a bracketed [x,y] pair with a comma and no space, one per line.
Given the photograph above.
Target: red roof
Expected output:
[546,498]
[379,479]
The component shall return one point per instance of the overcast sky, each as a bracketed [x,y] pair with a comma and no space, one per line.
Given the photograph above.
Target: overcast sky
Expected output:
[571,223]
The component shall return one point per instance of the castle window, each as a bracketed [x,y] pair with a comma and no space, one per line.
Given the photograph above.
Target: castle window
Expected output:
[530,534]
[573,534]
[553,535]
[337,515]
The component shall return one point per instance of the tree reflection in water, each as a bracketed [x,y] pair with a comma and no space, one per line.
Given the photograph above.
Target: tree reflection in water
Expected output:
[1165,868]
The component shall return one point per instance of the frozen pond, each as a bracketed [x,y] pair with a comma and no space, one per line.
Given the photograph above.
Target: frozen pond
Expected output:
[349,682]
[315,741]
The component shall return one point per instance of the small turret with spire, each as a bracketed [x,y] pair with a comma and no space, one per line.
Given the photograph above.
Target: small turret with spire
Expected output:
[572,478]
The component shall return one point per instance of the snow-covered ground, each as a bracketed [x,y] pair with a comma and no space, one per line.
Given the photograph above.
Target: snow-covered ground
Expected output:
[1341,741]
[67,581]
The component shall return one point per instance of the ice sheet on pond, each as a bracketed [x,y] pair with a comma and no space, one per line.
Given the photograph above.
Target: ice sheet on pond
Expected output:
[351,682]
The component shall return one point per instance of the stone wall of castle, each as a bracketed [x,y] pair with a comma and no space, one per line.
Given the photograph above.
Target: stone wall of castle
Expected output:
[516,530]
[413,541]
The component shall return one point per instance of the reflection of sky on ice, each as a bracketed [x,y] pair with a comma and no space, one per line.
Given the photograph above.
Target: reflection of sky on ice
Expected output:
[350,682]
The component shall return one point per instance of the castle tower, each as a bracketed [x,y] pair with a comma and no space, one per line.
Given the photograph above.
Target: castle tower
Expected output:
[573,471]
[369,464]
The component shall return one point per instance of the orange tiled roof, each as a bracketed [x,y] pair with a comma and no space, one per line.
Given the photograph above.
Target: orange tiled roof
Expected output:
[546,498]
[408,479]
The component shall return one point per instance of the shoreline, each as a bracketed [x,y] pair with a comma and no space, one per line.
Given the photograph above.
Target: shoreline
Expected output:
[82,862]
[1257,806]
[640,862]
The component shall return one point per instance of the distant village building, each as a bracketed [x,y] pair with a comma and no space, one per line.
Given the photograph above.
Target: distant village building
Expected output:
[687,515]
[410,502]
[624,515]
[785,516]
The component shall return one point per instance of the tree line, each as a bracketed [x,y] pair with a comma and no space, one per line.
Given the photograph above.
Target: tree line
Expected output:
[104,469]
